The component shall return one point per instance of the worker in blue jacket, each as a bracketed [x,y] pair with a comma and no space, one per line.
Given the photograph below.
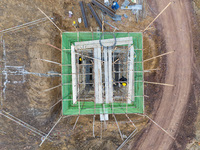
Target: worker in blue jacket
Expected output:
[115,5]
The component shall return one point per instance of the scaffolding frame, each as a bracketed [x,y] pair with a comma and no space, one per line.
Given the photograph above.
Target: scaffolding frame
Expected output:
[86,46]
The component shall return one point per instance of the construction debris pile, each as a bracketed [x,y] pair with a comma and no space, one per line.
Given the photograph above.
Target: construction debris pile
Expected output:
[106,9]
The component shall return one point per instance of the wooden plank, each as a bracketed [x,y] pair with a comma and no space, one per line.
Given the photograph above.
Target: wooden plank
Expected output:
[96,88]
[158,16]
[106,42]
[131,76]
[74,79]
[159,56]
[98,75]
[159,83]
[53,62]
[110,78]
[106,73]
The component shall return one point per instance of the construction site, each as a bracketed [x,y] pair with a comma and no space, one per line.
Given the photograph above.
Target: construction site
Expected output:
[100,74]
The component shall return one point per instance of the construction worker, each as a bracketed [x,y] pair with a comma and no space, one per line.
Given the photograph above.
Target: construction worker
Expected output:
[80,60]
[115,5]
[124,83]
[75,24]
[123,79]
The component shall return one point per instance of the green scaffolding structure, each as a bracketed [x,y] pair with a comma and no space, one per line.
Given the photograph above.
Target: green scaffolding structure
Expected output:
[90,108]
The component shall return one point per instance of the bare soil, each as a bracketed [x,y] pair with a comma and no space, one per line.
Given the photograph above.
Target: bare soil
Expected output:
[177,109]
[166,105]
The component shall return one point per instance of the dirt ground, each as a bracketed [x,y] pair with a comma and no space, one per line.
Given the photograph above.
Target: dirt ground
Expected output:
[173,108]
[181,72]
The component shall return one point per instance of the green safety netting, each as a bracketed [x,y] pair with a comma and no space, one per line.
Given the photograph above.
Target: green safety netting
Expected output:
[87,108]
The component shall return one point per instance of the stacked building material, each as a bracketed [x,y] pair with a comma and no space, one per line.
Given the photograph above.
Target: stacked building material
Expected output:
[104,8]
[81,3]
[94,13]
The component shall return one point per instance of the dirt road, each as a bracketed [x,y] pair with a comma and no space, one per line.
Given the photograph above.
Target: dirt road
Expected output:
[177,32]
